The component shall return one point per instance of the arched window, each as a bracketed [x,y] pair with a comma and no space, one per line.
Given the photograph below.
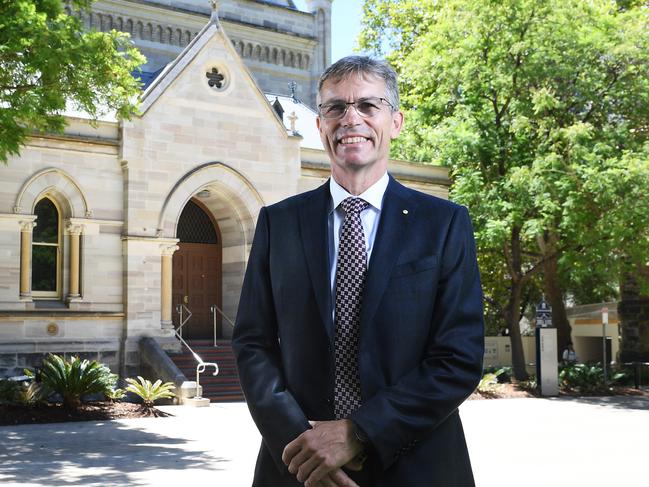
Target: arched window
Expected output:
[46,250]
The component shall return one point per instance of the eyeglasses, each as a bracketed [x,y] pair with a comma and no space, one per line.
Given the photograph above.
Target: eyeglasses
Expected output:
[365,107]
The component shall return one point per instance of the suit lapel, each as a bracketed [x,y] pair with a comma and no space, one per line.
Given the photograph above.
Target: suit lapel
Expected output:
[314,225]
[396,214]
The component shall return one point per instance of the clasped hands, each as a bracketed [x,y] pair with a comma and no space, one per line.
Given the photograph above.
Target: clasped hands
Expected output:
[317,455]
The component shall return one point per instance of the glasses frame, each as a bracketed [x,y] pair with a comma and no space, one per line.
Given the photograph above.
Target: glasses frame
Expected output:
[355,105]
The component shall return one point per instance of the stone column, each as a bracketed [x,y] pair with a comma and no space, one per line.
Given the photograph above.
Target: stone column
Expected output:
[26,230]
[74,231]
[165,285]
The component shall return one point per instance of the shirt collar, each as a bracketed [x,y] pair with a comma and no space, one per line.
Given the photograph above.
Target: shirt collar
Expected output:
[373,195]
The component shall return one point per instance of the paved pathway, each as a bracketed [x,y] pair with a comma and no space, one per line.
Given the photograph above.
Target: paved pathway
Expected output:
[513,442]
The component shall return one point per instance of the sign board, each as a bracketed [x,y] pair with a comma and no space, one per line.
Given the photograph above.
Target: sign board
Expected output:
[543,315]
[547,362]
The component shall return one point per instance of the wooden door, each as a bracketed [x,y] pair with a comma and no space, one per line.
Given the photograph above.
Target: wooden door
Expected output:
[197,272]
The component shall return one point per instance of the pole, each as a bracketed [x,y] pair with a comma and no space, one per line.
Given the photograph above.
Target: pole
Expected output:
[604,323]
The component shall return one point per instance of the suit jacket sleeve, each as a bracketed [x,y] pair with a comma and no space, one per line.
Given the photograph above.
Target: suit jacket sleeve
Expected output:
[410,409]
[255,341]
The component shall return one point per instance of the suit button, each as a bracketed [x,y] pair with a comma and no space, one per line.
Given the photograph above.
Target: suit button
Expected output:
[329,401]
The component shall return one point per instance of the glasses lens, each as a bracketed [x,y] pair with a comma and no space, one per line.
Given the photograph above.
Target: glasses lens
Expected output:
[333,110]
[368,107]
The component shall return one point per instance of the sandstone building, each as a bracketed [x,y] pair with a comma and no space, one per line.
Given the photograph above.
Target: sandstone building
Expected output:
[107,229]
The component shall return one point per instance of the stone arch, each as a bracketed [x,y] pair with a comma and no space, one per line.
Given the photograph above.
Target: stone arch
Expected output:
[169,35]
[233,204]
[61,186]
[307,61]
[243,198]
[139,30]
[119,23]
[248,52]
[158,33]
[128,27]
[257,53]
[148,31]
[188,37]
[266,55]
[179,37]
[275,56]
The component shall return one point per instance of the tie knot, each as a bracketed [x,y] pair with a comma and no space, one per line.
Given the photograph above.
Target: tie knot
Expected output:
[353,206]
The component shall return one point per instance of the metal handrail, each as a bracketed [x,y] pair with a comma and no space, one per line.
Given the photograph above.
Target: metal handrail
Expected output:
[179,310]
[201,365]
[214,308]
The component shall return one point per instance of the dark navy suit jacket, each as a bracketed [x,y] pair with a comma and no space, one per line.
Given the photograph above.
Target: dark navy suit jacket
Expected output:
[421,336]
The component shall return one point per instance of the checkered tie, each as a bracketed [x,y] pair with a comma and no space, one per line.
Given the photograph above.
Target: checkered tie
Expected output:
[350,278]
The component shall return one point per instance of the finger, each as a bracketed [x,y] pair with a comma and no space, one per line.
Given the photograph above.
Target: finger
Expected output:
[341,479]
[306,469]
[320,472]
[292,449]
[327,482]
[296,462]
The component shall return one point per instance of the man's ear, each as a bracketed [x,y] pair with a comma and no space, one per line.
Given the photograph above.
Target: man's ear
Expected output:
[397,124]
[317,123]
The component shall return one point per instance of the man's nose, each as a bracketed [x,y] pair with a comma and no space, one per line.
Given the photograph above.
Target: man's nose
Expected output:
[351,117]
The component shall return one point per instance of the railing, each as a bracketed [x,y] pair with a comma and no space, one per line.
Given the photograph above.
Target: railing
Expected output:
[214,309]
[201,365]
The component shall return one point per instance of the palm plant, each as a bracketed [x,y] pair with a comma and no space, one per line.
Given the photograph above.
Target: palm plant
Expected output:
[76,378]
[150,392]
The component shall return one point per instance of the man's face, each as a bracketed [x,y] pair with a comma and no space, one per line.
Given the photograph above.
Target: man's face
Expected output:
[354,142]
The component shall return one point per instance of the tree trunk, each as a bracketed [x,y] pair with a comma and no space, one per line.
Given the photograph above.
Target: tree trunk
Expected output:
[513,320]
[553,291]
[514,261]
[554,295]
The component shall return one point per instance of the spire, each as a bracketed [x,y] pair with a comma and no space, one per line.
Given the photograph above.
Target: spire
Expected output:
[214,17]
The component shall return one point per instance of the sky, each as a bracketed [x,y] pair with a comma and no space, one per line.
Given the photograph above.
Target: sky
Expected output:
[345,26]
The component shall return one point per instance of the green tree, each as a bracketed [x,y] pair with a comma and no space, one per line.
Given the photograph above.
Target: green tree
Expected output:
[47,60]
[541,110]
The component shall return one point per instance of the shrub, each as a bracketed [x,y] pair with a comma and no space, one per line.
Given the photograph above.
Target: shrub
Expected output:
[148,392]
[489,381]
[8,391]
[584,378]
[76,378]
[32,393]
[115,394]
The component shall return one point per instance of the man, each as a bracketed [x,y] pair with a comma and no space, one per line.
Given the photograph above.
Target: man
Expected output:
[360,331]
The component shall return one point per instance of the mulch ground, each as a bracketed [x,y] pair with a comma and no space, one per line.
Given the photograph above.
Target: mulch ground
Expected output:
[100,411]
[512,390]
[91,411]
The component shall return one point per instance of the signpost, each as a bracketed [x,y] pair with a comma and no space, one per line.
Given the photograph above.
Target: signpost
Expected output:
[547,364]
[604,358]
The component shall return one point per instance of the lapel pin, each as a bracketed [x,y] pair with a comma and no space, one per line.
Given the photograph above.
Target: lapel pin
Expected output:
[405,212]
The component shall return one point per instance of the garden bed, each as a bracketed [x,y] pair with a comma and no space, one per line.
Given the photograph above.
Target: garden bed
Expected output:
[91,411]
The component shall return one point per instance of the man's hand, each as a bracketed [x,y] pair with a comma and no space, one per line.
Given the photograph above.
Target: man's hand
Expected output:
[318,452]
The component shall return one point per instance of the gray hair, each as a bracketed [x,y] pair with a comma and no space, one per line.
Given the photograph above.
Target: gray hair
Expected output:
[363,66]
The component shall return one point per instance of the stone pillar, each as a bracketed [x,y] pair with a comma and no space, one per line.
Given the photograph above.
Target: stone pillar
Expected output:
[26,230]
[165,285]
[75,235]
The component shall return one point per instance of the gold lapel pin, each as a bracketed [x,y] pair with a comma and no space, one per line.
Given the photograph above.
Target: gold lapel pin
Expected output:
[405,212]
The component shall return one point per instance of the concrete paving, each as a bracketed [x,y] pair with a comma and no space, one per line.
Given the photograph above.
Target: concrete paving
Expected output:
[513,442]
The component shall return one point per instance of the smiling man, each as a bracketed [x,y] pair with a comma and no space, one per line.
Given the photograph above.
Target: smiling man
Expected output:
[360,330]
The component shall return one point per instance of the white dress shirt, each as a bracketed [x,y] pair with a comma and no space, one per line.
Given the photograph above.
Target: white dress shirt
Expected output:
[369,218]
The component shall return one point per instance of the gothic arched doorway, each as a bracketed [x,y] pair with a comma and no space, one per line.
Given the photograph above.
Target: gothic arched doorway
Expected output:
[197,270]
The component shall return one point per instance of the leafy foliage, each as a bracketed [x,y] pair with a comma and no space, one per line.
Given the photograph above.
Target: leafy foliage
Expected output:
[588,378]
[8,391]
[489,381]
[32,393]
[150,392]
[115,394]
[75,378]
[47,60]
[541,110]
